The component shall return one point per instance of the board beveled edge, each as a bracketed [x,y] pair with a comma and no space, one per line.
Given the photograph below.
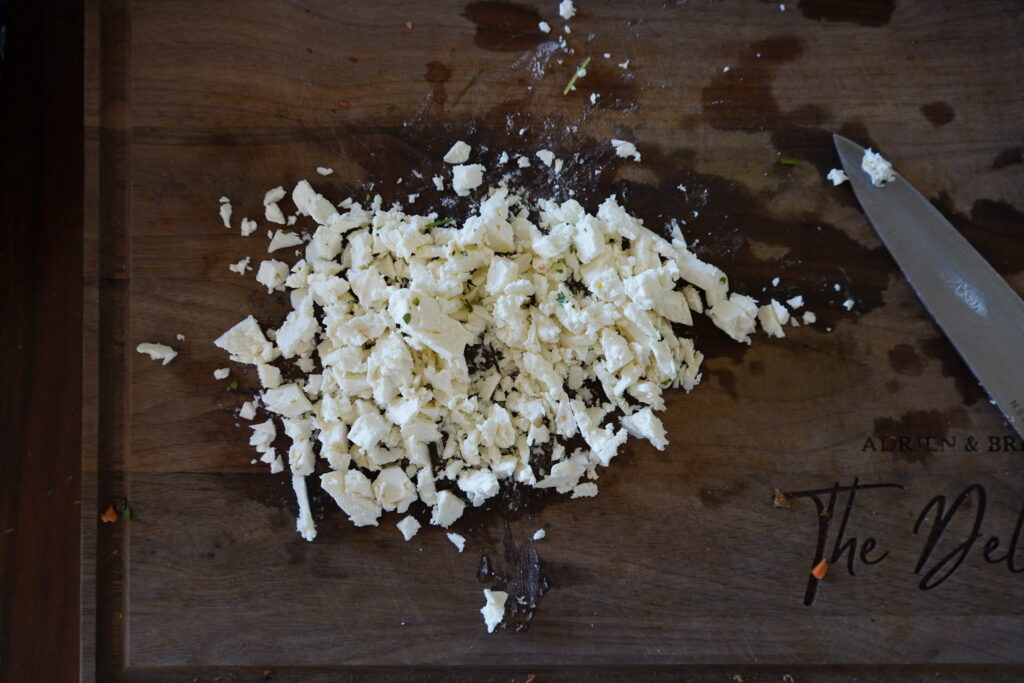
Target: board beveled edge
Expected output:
[105,333]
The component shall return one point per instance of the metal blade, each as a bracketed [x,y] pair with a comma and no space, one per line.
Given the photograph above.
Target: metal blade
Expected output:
[974,306]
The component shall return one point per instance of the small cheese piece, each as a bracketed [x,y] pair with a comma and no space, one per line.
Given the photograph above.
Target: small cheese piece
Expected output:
[408,526]
[438,182]
[809,318]
[494,607]
[458,540]
[795,302]
[772,317]
[458,154]
[324,170]
[644,424]
[160,352]
[304,524]
[478,485]
[837,176]
[585,490]
[271,210]
[225,212]
[246,343]
[221,373]
[466,177]
[287,400]
[566,9]
[353,493]
[848,304]
[522,162]
[878,169]
[539,534]
[626,149]
[247,411]
[241,266]
[546,156]
[447,508]
[283,239]
[544,26]
[272,275]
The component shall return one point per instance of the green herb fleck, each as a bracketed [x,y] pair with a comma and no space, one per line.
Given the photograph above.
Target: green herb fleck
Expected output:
[579,72]
[722,280]
[416,301]
[560,270]
[367,197]
[666,382]
[561,298]
[572,248]
[283,113]
[392,107]
[233,385]
[287,231]
[464,252]
[786,161]
[127,514]
[407,317]
[440,221]
[468,306]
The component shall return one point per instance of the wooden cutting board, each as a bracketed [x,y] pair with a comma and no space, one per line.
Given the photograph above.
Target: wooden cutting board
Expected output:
[683,564]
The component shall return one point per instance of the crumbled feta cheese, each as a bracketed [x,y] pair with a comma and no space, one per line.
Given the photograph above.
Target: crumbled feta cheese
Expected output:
[848,304]
[458,540]
[539,534]
[625,149]
[795,302]
[585,490]
[323,170]
[247,411]
[283,239]
[458,154]
[593,97]
[544,26]
[408,526]
[624,65]
[179,337]
[809,318]
[160,352]
[221,373]
[438,183]
[225,212]
[248,227]
[566,9]
[494,607]
[546,156]
[503,159]
[447,508]
[272,275]
[522,162]
[879,170]
[466,177]
[775,282]
[837,176]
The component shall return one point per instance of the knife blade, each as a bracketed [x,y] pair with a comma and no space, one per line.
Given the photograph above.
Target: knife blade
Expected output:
[973,305]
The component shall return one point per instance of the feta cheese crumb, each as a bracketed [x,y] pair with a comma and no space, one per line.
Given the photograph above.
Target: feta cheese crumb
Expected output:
[458,154]
[877,168]
[160,352]
[408,526]
[848,304]
[221,373]
[837,176]
[248,227]
[566,9]
[466,178]
[503,159]
[544,26]
[283,239]
[458,540]
[809,318]
[271,210]
[585,490]
[179,337]
[247,411]
[324,171]
[593,97]
[546,156]
[225,212]
[522,162]
[795,302]
[438,183]
[625,149]
[494,608]
[539,534]
[272,275]
[624,65]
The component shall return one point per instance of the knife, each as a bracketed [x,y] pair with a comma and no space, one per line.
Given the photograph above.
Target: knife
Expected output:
[974,306]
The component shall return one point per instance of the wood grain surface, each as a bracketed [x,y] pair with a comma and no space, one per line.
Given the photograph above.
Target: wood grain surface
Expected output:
[682,566]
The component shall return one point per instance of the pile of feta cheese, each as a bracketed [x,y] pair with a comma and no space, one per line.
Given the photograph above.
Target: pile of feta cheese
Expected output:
[438,360]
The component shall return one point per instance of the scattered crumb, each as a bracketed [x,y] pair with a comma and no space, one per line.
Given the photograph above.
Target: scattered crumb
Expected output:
[539,534]
[323,170]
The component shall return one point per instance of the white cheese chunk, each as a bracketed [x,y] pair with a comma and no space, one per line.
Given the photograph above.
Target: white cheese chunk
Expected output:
[458,154]
[458,540]
[878,169]
[837,176]
[221,373]
[409,526]
[160,352]
[287,400]
[795,302]
[539,534]
[247,411]
[448,507]
[225,212]
[283,239]
[494,607]
[566,9]
[625,149]
[353,493]
[241,267]
[467,177]
[324,170]
[272,275]
[544,26]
